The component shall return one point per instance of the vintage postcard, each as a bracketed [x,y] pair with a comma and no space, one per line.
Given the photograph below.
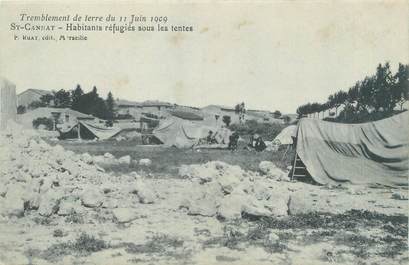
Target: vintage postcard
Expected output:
[204,132]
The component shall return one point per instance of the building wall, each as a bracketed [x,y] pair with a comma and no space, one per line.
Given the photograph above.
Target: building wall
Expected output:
[136,112]
[27,97]
[66,118]
[8,109]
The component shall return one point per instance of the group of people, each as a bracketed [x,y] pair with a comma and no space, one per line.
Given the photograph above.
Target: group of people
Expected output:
[256,141]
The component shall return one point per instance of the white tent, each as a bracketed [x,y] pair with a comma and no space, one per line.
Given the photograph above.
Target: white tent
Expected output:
[185,134]
[285,137]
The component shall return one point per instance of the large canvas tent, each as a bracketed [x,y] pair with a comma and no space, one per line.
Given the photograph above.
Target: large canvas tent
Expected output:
[185,134]
[369,153]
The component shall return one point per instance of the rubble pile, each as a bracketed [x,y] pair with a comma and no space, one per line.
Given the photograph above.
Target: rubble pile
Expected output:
[270,170]
[108,159]
[226,191]
[35,176]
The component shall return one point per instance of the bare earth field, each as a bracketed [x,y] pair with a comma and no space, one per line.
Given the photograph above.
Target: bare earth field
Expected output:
[185,208]
[167,160]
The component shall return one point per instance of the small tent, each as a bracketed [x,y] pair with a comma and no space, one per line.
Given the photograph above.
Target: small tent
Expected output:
[285,137]
[185,134]
[369,153]
[88,130]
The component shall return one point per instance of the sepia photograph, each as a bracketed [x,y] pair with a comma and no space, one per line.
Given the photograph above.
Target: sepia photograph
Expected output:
[204,132]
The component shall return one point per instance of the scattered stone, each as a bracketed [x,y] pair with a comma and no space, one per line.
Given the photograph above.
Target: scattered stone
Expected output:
[13,205]
[255,208]
[204,207]
[144,193]
[124,215]
[110,204]
[87,158]
[92,198]
[272,171]
[231,207]
[49,203]
[277,203]
[32,201]
[272,238]
[146,162]
[229,183]
[399,196]
[109,156]
[304,203]
[125,160]
[69,206]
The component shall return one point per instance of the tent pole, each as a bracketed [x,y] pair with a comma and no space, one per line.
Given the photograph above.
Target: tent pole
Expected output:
[78,130]
[285,153]
[294,164]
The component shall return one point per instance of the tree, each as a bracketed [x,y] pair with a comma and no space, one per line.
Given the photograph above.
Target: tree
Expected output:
[323,107]
[240,109]
[21,109]
[353,93]
[372,98]
[400,91]
[304,110]
[48,123]
[341,98]
[384,82]
[237,109]
[110,104]
[47,100]
[286,119]
[365,94]
[314,108]
[227,120]
[75,97]
[62,99]
[91,103]
[36,104]
[277,114]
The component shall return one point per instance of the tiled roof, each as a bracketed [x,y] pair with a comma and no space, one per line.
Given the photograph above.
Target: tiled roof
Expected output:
[41,92]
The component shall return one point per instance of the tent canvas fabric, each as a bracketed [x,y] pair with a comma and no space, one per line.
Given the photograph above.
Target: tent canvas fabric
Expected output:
[186,134]
[89,130]
[102,133]
[285,137]
[369,153]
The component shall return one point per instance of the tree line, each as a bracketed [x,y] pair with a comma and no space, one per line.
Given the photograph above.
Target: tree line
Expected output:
[89,103]
[372,98]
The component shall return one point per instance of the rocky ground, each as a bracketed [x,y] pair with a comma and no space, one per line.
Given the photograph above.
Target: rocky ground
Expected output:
[59,207]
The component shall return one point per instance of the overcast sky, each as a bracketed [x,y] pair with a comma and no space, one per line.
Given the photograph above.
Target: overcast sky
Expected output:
[275,55]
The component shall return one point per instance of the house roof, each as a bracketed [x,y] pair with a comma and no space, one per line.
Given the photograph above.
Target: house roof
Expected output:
[218,107]
[148,103]
[47,111]
[124,102]
[40,92]
[155,103]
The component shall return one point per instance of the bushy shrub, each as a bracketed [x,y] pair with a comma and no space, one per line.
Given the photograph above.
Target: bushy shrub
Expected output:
[268,131]
[21,109]
[350,115]
[47,122]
